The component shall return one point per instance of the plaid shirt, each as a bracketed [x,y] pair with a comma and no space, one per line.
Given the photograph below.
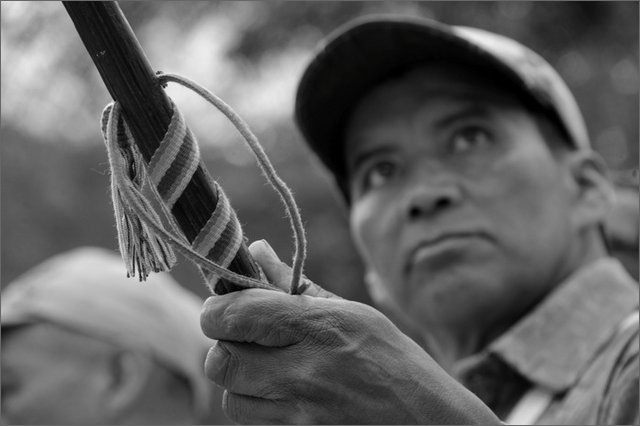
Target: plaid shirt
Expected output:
[579,346]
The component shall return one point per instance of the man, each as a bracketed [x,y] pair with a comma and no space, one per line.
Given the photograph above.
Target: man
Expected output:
[82,344]
[476,203]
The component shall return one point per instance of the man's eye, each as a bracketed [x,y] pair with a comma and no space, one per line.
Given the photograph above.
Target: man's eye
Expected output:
[378,174]
[469,138]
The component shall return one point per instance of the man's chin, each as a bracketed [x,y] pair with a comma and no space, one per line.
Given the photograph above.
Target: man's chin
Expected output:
[444,274]
[445,265]
[454,296]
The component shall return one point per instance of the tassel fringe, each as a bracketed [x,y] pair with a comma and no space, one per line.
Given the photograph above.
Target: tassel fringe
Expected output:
[142,250]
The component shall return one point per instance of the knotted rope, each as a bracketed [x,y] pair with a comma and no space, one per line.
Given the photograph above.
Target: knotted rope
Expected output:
[145,242]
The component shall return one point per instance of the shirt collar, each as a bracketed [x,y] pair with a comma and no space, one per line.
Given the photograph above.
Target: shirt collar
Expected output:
[553,344]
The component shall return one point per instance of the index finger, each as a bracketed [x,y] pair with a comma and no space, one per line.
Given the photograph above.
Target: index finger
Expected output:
[279,273]
[266,317]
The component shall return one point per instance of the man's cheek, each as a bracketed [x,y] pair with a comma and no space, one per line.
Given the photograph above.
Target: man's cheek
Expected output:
[513,192]
[363,231]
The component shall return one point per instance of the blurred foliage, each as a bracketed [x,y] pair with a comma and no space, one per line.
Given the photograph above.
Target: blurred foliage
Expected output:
[54,172]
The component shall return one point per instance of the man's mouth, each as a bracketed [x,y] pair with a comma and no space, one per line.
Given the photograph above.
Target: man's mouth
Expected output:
[443,245]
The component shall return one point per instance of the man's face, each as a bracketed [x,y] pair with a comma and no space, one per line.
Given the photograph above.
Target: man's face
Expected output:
[458,205]
[48,377]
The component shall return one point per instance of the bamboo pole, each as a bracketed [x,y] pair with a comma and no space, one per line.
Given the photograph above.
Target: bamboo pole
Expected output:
[130,80]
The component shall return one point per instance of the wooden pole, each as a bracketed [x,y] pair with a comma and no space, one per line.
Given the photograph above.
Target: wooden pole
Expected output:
[131,80]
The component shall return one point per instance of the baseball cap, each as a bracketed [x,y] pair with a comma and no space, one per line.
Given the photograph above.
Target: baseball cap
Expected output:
[367,51]
[87,290]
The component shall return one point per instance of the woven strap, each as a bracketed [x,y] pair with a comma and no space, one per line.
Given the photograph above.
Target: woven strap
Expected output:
[171,168]
[145,243]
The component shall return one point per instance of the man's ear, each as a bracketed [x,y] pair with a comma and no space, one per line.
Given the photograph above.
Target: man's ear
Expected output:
[594,194]
[129,372]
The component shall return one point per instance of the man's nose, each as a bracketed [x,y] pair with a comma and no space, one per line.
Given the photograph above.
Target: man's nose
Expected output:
[427,198]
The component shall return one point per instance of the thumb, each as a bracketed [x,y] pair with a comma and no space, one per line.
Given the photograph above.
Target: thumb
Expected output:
[279,273]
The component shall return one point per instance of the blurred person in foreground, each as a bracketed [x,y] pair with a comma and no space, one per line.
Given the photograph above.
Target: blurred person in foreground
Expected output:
[477,204]
[83,344]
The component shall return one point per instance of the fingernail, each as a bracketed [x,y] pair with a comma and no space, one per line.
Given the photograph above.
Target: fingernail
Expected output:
[269,248]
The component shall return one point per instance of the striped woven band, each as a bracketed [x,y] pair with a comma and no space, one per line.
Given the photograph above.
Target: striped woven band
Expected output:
[169,171]
[144,241]
[171,168]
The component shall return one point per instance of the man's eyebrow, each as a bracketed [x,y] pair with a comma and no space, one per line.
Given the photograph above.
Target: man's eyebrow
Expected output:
[364,155]
[471,111]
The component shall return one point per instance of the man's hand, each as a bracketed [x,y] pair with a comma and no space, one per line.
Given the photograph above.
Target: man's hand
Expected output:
[321,359]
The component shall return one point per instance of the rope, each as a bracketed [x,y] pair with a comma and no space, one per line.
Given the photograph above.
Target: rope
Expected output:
[145,244]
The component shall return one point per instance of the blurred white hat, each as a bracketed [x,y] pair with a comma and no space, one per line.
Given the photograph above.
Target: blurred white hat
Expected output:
[87,290]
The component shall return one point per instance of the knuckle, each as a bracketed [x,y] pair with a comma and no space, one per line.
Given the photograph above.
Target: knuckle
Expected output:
[230,406]
[235,325]
[339,322]
[206,318]
[322,331]
[211,364]
[221,364]
[235,407]
[222,317]
[229,374]
[372,317]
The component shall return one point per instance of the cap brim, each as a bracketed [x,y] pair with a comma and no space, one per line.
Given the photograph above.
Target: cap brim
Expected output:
[361,55]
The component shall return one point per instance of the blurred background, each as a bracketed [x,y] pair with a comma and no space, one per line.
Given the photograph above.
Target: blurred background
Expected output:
[55,178]
[54,171]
